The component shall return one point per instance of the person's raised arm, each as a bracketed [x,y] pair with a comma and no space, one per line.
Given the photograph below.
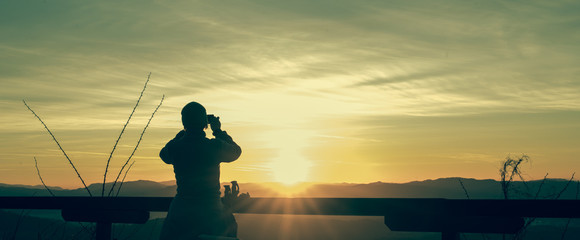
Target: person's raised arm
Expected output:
[228,150]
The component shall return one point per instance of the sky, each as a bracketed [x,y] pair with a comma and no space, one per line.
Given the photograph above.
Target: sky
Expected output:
[313,91]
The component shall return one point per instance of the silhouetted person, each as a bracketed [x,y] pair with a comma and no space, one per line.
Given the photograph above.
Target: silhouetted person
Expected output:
[197,208]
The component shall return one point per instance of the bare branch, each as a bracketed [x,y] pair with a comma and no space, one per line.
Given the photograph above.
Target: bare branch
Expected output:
[62,150]
[39,176]
[510,169]
[122,181]
[570,219]
[136,146]
[464,189]
[540,187]
[121,134]
[565,187]
[23,214]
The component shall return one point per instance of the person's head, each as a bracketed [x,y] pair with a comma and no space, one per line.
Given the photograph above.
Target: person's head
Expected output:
[194,116]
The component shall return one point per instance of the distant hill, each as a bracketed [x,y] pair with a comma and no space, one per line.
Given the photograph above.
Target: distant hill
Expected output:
[438,188]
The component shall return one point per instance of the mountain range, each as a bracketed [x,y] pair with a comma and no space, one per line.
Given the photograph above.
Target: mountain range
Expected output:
[453,188]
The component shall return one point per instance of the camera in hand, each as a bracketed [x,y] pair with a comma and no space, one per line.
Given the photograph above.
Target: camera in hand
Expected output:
[211,118]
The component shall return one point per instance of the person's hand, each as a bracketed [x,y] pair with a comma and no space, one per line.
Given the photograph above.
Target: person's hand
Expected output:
[214,123]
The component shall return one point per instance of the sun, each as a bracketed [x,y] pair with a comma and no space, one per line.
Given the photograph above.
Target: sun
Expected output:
[290,168]
[289,165]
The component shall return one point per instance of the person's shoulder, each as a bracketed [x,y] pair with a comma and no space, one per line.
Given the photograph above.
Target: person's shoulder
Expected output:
[217,142]
[188,140]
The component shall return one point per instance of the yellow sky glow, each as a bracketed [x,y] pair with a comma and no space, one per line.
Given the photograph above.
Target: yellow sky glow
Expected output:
[354,91]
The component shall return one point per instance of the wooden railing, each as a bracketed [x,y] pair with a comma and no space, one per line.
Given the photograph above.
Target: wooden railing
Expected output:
[448,216]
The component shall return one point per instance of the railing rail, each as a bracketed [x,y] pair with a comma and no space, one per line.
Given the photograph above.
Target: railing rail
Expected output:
[448,216]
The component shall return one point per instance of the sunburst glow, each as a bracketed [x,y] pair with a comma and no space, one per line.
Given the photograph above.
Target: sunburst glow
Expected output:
[290,166]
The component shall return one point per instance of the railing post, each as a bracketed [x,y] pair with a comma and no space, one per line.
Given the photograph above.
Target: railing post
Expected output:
[104,230]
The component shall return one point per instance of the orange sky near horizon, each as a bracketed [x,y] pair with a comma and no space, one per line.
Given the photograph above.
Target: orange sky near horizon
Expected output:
[353,91]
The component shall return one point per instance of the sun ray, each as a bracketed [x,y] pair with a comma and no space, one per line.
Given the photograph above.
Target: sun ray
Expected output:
[290,166]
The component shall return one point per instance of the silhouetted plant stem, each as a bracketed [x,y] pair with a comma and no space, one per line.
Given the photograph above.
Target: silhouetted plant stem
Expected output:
[511,168]
[464,189]
[121,134]
[570,219]
[84,228]
[463,236]
[529,221]
[74,236]
[21,216]
[39,176]
[62,150]
[123,180]
[136,146]
[565,187]
[540,187]
[49,226]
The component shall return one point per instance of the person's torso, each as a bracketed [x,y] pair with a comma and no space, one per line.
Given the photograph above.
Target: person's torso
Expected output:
[196,167]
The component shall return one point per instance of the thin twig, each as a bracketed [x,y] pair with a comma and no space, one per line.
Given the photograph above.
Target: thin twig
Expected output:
[121,134]
[86,229]
[511,167]
[122,181]
[62,150]
[47,227]
[565,187]
[39,176]
[136,146]
[570,219]
[529,221]
[21,216]
[464,189]
[468,197]
[74,236]
[540,187]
